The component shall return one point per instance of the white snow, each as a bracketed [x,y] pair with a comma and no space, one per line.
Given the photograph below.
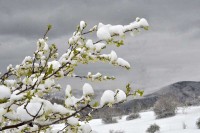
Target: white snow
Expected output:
[143,22]
[121,96]
[167,125]
[139,23]
[86,128]
[27,81]
[73,121]
[95,76]
[71,101]
[27,59]
[107,97]
[107,56]
[123,63]
[10,82]
[9,67]
[103,32]
[11,115]
[42,45]
[14,95]
[32,109]
[41,87]
[89,44]
[55,64]
[173,124]
[82,25]
[99,46]
[2,111]
[117,29]
[49,82]
[4,92]
[87,89]
[68,91]
[113,56]
[63,58]
[57,108]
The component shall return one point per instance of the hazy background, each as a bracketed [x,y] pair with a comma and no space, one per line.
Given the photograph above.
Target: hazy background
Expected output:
[168,52]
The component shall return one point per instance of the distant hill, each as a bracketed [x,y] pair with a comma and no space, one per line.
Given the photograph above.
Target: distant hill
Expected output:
[186,92]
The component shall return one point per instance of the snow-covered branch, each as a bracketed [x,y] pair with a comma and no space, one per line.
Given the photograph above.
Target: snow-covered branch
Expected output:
[23,107]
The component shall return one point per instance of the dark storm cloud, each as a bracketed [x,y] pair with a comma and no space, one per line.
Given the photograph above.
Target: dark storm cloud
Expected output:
[167,53]
[29,18]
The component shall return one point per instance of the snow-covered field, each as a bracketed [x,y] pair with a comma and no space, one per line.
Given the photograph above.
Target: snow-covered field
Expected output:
[174,124]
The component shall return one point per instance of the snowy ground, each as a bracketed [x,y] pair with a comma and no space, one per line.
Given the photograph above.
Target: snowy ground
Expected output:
[174,124]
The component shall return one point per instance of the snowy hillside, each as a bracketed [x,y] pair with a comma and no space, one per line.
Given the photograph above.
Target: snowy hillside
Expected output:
[167,125]
[174,124]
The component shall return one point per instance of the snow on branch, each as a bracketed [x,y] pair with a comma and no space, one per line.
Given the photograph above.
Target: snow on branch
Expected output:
[23,107]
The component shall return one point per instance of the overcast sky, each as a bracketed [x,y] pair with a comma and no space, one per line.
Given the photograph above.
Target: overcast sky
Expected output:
[167,53]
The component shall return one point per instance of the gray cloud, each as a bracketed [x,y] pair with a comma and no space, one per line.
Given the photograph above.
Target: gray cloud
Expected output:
[167,53]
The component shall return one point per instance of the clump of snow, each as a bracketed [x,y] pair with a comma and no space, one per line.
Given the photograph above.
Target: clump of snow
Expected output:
[99,46]
[32,108]
[9,67]
[27,59]
[106,56]
[86,128]
[117,29]
[57,108]
[14,96]
[139,23]
[55,64]
[47,105]
[63,58]
[107,97]
[120,96]
[71,101]
[103,32]
[34,128]
[123,63]
[42,45]
[68,91]
[113,56]
[11,115]
[82,25]
[10,82]
[49,82]
[2,111]
[4,92]
[95,76]
[41,87]
[143,22]
[73,121]
[87,89]
[74,39]
[89,44]
[27,81]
